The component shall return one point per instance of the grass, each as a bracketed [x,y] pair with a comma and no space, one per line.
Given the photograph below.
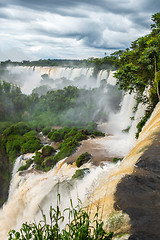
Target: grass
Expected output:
[79,228]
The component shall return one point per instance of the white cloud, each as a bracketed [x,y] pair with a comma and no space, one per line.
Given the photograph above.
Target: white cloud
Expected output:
[81,29]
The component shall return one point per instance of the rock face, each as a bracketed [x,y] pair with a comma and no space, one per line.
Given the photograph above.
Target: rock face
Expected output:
[5,176]
[138,194]
[131,195]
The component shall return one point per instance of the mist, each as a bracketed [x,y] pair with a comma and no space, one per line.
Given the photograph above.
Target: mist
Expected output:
[98,96]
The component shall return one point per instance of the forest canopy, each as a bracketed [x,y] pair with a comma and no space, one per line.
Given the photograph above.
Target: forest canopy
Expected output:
[139,66]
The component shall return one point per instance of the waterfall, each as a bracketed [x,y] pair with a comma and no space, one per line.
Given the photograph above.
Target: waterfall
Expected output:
[58,77]
[15,176]
[35,190]
[30,190]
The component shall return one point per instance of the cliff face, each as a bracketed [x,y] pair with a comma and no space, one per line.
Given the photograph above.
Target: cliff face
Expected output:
[5,176]
[131,195]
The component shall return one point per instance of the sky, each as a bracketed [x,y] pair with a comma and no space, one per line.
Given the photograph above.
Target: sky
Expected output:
[71,29]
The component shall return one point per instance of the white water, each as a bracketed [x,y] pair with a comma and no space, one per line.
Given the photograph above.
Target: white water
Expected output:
[31,190]
[29,78]
[40,190]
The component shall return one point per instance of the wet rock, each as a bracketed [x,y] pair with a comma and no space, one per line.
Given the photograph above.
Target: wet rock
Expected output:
[138,195]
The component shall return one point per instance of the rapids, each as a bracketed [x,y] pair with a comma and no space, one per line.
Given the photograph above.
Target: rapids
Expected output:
[31,190]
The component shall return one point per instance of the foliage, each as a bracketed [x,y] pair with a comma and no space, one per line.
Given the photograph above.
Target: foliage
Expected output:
[31,146]
[38,158]
[44,159]
[80,228]
[5,172]
[142,122]
[70,139]
[115,160]
[13,146]
[31,134]
[47,150]
[26,166]
[11,101]
[46,130]
[98,134]
[65,107]
[83,158]
[19,138]
[18,128]
[140,65]
[4,125]
[80,173]
[49,163]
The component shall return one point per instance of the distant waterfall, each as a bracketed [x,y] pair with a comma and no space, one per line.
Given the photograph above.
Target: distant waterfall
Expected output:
[59,77]
[64,72]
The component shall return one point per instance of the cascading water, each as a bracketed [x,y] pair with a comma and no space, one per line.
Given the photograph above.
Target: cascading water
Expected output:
[30,190]
[58,77]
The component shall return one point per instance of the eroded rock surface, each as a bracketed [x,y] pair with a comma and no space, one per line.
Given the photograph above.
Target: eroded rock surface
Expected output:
[133,188]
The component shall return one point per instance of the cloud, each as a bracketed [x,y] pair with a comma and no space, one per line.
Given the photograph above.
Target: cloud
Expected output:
[16,54]
[73,29]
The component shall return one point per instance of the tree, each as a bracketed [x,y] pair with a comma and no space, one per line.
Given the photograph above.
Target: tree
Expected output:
[140,65]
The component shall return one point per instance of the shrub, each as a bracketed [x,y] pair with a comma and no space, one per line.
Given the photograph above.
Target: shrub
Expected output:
[47,150]
[50,133]
[59,135]
[26,166]
[19,128]
[56,136]
[31,134]
[72,132]
[65,151]
[38,158]
[49,162]
[46,130]
[142,123]
[80,136]
[80,173]
[115,160]
[83,158]
[13,145]
[98,134]
[31,146]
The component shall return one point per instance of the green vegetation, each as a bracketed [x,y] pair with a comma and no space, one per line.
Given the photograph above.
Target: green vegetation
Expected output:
[80,173]
[109,62]
[44,165]
[5,173]
[46,130]
[19,139]
[26,166]
[31,146]
[115,160]
[80,228]
[47,150]
[65,107]
[142,123]
[70,139]
[83,158]
[44,159]
[139,67]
